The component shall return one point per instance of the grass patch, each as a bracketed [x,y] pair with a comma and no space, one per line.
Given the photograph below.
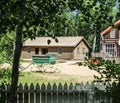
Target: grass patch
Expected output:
[36,77]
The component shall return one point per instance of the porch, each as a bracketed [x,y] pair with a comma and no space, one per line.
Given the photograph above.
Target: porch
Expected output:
[105,56]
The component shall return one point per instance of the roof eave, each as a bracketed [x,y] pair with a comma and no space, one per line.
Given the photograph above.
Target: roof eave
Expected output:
[106,31]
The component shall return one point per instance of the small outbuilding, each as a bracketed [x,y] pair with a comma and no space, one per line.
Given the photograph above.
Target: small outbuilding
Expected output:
[66,48]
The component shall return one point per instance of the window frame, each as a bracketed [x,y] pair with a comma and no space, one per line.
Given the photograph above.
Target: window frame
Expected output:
[78,51]
[60,50]
[110,49]
[84,50]
[112,33]
[28,49]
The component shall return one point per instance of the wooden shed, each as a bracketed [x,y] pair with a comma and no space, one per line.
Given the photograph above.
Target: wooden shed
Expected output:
[66,48]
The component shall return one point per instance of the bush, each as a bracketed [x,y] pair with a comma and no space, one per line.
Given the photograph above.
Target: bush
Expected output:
[109,72]
[5,76]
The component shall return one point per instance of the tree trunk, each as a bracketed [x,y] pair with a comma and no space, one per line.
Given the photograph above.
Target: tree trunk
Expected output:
[94,41]
[16,60]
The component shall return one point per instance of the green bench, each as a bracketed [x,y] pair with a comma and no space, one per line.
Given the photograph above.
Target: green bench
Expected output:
[41,59]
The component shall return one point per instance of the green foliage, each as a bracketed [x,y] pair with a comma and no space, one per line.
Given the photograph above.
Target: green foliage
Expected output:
[5,76]
[38,16]
[93,16]
[6,48]
[109,72]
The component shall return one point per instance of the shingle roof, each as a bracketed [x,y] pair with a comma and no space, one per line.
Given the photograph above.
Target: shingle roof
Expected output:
[107,30]
[62,41]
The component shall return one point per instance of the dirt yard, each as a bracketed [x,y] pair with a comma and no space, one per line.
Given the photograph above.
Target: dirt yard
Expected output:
[62,69]
[65,68]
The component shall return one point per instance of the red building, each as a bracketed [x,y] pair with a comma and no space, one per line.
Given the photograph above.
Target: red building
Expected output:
[110,43]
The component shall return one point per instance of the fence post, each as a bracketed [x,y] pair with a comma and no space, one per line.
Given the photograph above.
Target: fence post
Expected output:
[26,94]
[77,93]
[90,92]
[66,93]
[60,93]
[43,93]
[37,89]
[3,97]
[55,93]
[82,93]
[32,99]
[8,92]
[20,93]
[71,93]
[49,93]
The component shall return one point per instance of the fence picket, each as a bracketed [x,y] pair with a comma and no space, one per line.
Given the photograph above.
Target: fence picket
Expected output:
[3,93]
[37,89]
[49,93]
[78,93]
[32,99]
[66,93]
[60,93]
[55,93]
[8,92]
[26,94]
[71,93]
[43,93]
[20,93]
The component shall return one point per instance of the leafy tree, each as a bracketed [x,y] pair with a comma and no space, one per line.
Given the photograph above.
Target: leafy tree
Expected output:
[109,73]
[28,19]
[6,48]
[94,15]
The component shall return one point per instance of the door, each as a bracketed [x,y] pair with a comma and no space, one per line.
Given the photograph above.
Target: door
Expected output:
[36,50]
[44,50]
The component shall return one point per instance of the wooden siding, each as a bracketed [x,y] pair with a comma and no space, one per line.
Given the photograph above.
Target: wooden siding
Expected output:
[107,36]
[67,52]
[82,54]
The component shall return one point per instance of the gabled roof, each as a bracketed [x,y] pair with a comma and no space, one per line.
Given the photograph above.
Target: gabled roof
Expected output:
[107,30]
[62,41]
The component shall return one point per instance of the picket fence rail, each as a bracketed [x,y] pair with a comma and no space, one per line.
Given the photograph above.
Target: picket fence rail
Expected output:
[78,93]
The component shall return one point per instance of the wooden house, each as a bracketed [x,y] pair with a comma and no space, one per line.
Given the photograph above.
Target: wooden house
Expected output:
[66,47]
[110,43]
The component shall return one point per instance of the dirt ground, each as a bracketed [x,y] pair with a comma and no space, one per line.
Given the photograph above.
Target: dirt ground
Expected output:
[65,68]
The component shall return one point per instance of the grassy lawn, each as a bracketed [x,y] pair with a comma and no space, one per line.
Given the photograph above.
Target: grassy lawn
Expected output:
[36,77]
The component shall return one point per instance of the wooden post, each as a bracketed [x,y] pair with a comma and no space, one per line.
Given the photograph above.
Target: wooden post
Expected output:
[26,94]
[37,89]
[71,93]
[32,99]
[8,92]
[20,94]
[43,93]
[60,93]
[49,93]
[66,93]
[55,93]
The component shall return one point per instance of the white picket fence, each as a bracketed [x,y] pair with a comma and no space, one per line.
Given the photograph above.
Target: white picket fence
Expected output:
[79,93]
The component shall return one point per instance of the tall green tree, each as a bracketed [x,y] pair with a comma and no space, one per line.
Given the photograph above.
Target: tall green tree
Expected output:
[6,48]
[95,15]
[28,19]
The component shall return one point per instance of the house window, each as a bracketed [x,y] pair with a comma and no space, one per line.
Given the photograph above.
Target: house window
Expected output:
[60,50]
[112,33]
[36,50]
[84,51]
[78,51]
[29,50]
[110,49]
[44,50]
